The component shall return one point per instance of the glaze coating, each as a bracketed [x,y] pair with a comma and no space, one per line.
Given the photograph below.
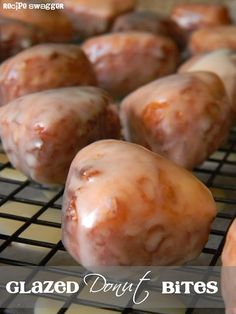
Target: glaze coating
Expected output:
[42,132]
[185,117]
[118,59]
[124,205]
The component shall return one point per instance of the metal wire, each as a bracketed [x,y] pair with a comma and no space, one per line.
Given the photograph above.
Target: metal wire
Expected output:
[42,207]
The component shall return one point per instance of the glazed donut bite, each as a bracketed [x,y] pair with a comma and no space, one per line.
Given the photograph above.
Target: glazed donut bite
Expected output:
[42,67]
[124,205]
[228,274]
[92,17]
[185,117]
[221,62]
[16,36]
[139,21]
[118,59]
[191,16]
[42,132]
[54,23]
[151,22]
[209,39]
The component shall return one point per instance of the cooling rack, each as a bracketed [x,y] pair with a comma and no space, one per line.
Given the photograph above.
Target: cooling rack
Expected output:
[30,229]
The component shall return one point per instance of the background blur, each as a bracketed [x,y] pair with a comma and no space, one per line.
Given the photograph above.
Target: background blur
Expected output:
[165,6]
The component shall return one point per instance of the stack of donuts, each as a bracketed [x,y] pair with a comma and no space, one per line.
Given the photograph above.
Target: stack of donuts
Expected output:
[121,105]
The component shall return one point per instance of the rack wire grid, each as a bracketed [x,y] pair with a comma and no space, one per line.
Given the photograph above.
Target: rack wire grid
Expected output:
[30,228]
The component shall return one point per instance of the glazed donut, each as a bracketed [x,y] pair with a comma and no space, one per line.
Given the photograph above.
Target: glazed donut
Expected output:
[149,22]
[53,22]
[191,16]
[118,59]
[16,36]
[92,17]
[43,67]
[124,205]
[42,132]
[209,39]
[185,117]
[139,21]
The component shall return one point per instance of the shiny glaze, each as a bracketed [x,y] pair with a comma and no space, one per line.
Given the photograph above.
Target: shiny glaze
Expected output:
[42,132]
[221,62]
[184,116]
[43,67]
[124,205]
[118,59]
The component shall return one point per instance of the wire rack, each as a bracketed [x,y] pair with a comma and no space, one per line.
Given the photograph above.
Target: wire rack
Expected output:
[30,227]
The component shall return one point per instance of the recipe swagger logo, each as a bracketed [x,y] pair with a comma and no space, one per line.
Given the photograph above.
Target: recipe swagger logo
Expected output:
[18,5]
